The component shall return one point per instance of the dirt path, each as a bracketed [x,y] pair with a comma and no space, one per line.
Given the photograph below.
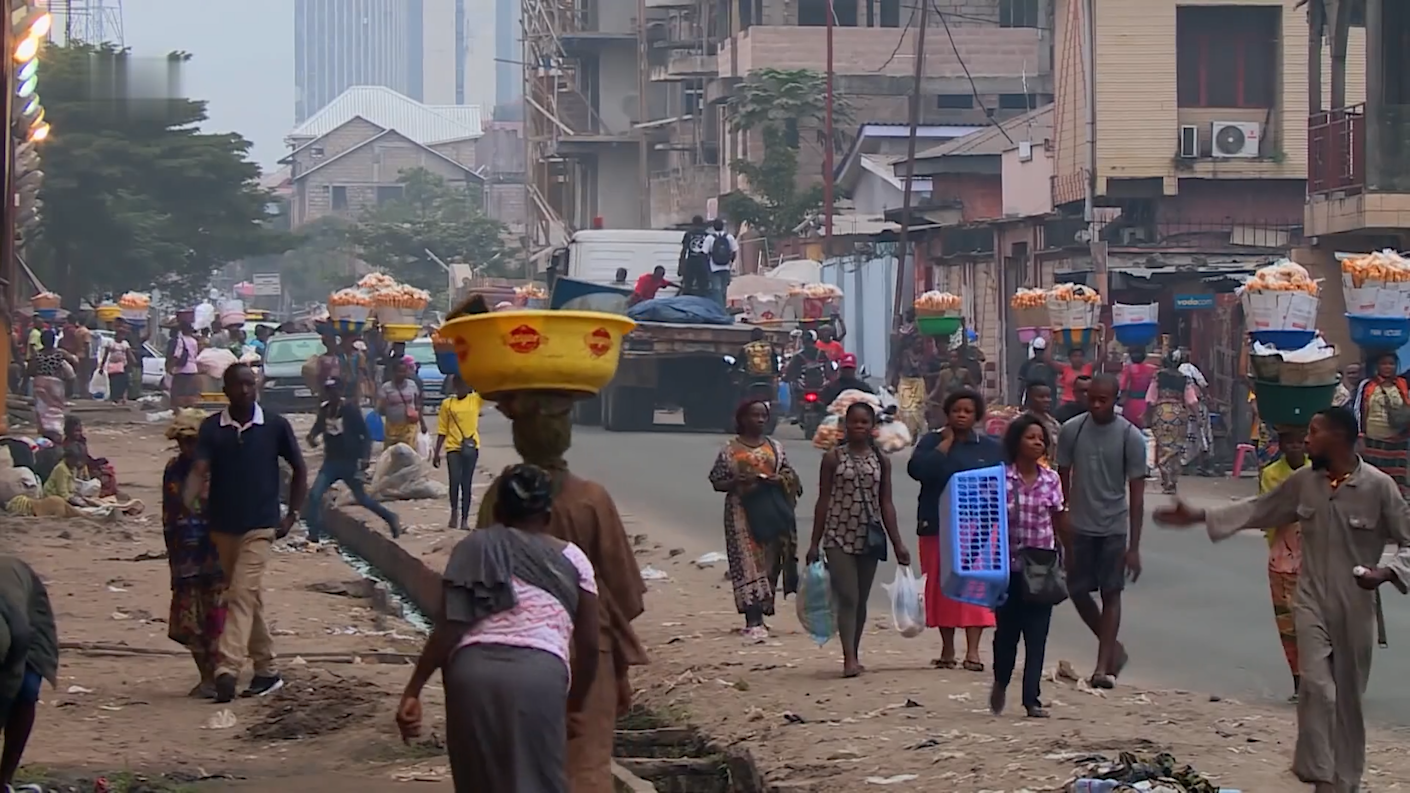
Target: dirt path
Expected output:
[124,711]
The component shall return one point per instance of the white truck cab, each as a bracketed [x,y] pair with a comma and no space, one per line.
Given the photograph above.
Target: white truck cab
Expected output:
[595,254]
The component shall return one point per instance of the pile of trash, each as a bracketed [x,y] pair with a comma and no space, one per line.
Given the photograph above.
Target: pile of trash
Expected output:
[1159,774]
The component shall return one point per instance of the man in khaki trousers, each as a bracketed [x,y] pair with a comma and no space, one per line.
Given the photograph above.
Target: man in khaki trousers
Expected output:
[237,466]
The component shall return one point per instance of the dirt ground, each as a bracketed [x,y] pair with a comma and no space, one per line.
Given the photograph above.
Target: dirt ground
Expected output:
[121,708]
[902,725]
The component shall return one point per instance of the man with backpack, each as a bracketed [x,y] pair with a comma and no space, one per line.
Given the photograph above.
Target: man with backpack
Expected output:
[723,249]
[694,267]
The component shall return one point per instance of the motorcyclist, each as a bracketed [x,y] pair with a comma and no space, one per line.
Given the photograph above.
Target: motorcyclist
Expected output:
[758,362]
[846,379]
[807,370]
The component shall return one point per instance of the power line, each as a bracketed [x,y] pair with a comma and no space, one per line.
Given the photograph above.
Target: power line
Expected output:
[972,87]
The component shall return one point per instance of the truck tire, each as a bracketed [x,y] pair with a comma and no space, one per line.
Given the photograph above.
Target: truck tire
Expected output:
[627,409]
[588,412]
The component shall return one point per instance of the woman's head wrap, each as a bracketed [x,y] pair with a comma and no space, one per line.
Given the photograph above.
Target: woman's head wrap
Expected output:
[185,424]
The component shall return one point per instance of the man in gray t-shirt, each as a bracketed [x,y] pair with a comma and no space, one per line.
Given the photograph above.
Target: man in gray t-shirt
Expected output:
[1101,458]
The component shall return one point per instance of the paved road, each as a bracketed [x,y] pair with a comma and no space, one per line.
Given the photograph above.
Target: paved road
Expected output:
[1199,618]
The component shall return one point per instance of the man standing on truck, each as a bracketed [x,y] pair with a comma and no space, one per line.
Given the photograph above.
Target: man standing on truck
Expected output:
[694,267]
[723,250]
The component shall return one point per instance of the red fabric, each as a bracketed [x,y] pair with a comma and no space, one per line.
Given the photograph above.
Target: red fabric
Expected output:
[833,349]
[1136,379]
[1068,379]
[647,286]
[940,611]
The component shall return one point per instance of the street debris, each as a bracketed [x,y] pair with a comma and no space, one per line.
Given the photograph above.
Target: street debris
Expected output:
[710,559]
[220,720]
[307,707]
[1159,774]
[649,573]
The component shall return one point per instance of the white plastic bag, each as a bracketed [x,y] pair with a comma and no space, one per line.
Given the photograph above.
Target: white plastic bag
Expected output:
[98,385]
[401,475]
[907,595]
[88,488]
[892,436]
[814,603]
[423,445]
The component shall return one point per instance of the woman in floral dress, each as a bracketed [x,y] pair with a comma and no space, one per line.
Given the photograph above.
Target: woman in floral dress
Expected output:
[197,585]
[748,461]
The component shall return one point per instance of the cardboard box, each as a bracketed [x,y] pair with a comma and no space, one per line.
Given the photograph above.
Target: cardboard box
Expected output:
[1123,314]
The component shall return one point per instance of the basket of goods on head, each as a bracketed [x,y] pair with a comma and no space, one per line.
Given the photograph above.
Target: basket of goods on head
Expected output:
[1075,311]
[133,308]
[398,308]
[812,301]
[349,310]
[1280,305]
[230,313]
[974,519]
[1291,385]
[574,351]
[46,305]
[1377,290]
[1135,326]
[938,314]
[1030,313]
[530,296]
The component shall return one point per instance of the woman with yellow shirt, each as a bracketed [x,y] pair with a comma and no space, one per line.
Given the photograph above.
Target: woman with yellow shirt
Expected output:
[458,435]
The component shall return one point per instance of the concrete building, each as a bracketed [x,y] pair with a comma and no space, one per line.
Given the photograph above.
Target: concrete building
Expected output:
[351,154]
[342,43]
[508,51]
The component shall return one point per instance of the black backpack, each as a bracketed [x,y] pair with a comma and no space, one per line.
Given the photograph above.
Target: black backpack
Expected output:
[721,252]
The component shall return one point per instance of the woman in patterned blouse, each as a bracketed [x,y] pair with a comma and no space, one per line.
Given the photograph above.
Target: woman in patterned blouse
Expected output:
[1036,517]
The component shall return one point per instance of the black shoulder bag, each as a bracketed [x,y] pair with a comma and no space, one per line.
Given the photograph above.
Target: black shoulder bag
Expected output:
[768,509]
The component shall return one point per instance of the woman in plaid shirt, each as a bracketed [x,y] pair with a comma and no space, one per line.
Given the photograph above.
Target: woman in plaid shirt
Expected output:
[1036,517]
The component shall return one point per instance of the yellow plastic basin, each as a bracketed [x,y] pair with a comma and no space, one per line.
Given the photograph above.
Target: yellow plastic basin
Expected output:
[400,332]
[548,350]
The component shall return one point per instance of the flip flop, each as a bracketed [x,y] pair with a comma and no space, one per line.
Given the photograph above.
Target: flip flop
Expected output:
[973,666]
[942,663]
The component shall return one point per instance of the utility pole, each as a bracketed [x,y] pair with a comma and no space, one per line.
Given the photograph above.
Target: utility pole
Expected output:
[827,145]
[643,114]
[901,275]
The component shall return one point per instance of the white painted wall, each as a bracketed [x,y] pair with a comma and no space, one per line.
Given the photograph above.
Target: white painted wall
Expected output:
[869,287]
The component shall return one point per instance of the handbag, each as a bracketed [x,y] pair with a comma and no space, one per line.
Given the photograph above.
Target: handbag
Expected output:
[1042,576]
[1397,415]
[768,510]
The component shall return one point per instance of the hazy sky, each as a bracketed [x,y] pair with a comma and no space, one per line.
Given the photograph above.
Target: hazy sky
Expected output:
[242,64]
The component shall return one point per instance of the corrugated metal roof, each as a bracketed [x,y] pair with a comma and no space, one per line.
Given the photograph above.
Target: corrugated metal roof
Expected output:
[425,124]
[1035,126]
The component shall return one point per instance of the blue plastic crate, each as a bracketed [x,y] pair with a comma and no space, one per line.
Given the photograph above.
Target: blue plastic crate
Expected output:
[974,520]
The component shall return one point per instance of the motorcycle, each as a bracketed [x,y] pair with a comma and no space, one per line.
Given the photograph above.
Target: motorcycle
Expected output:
[811,412]
[754,387]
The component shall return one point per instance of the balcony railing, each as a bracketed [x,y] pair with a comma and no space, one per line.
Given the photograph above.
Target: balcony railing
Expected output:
[1336,151]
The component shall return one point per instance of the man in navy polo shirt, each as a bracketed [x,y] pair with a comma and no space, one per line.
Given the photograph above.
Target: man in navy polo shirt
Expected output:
[237,463]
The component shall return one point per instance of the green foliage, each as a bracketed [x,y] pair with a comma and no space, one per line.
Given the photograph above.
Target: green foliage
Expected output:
[431,215]
[771,98]
[776,205]
[135,195]
[776,102]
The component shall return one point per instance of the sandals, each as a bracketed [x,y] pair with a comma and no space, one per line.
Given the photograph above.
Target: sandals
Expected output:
[973,666]
[944,663]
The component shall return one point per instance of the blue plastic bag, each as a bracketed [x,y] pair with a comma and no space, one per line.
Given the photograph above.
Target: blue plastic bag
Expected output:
[785,397]
[815,604]
[374,426]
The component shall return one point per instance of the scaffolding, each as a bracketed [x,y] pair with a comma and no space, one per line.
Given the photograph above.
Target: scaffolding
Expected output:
[87,21]
[558,111]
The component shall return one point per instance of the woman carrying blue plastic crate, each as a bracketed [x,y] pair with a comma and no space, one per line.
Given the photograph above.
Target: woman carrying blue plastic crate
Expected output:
[1382,407]
[852,523]
[1036,518]
[958,446]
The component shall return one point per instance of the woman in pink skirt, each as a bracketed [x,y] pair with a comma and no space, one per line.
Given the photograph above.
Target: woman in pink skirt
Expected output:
[957,447]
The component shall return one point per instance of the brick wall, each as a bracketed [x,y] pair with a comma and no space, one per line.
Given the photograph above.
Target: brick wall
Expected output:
[507,204]
[987,51]
[1271,201]
[981,194]
[361,172]
[462,151]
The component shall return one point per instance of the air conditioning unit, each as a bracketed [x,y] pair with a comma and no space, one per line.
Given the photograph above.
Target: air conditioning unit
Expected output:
[1189,141]
[1235,138]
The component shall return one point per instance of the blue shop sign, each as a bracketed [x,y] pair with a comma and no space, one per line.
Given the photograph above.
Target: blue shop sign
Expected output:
[1193,302]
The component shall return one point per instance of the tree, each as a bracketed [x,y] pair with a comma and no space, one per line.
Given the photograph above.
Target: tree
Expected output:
[776,103]
[135,195]
[433,215]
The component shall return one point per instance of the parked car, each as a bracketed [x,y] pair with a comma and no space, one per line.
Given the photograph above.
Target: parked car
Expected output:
[282,387]
[431,378]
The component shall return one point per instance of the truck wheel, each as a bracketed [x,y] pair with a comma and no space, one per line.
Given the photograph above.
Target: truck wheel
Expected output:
[588,412]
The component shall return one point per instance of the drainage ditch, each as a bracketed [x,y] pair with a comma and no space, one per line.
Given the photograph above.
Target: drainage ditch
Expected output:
[650,752]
